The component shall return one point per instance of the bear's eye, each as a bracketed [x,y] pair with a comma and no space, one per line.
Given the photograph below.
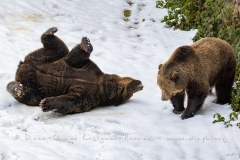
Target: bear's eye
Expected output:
[120,90]
[130,87]
[175,79]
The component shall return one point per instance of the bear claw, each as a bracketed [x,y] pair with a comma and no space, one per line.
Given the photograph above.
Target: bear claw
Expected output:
[42,102]
[177,111]
[44,106]
[187,115]
[86,45]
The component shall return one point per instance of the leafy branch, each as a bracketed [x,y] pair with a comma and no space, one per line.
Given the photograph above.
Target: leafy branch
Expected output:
[233,116]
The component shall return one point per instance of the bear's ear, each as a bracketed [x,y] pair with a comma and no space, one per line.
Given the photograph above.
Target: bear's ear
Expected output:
[160,66]
[174,76]
[184,52]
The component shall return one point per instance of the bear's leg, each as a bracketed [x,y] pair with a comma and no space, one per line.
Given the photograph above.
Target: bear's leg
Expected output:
[178,102]
[52,42]
[54,47]
[23,94]
[196,99]
[79,55]
[67,104]
[224,88]
[48,38]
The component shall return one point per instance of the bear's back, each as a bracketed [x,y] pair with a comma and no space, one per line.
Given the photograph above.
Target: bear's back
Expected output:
[216,56]
[217,51]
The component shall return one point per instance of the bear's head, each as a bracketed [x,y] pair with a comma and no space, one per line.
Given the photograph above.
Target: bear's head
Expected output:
[120,89]
[129,86]
[174,75]
[169,83]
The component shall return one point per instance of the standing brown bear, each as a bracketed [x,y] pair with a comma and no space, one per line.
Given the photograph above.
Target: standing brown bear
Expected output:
[67,82]
[195,70]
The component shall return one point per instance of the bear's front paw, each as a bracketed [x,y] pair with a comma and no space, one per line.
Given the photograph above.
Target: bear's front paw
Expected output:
[45,105]
[186,115]
[177,111]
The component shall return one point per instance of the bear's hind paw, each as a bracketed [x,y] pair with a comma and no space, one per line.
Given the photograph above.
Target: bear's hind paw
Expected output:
[221,102]
[51,31]
[15,89]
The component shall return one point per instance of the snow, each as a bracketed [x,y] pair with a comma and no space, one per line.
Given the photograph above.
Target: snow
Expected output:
[144,128]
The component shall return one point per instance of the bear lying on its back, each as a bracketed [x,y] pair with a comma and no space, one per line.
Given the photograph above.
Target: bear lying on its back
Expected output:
[195,70]
[67,82]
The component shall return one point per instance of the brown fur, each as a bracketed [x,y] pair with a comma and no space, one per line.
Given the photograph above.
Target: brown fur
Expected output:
[195,70]
[69,84]
[53,49]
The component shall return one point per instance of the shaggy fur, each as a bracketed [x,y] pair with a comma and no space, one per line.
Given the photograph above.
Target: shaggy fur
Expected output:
[195,70]
[70,83]
[53,49]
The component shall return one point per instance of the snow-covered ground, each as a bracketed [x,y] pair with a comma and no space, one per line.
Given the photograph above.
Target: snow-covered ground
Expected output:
[142,129]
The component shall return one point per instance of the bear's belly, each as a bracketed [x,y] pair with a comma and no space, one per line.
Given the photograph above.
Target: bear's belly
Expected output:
[50,86]
[62,69]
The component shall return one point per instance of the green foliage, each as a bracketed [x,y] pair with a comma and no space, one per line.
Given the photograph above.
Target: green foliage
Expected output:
[219,118]
[215,18]
[232,117]
[236,92]
[130,3]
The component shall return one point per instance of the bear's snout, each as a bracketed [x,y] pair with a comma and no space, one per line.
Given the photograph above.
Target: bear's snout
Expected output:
[138,85]
[165,96]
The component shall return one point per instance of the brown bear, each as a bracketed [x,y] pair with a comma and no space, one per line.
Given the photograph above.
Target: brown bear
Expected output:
[195,70]
[68,82]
